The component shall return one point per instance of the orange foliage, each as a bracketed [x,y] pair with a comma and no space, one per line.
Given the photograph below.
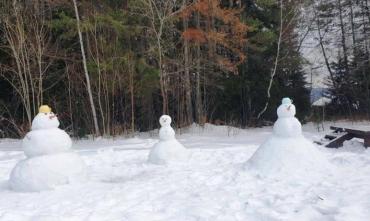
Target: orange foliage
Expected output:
[229,33]
[226,64]
[206,6]
[194,35]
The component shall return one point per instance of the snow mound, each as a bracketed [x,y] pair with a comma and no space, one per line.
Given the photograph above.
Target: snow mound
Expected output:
[167,151]
[287,152]
[48,141]
[291,157]
[212,130]
[353,145]
[47,171]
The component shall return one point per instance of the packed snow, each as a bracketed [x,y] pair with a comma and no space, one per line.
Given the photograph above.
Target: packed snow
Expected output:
[287,125]
[47,171]
[287,153]
[50,161]
[211,185]
[45,137]
[168,149]
[48,141]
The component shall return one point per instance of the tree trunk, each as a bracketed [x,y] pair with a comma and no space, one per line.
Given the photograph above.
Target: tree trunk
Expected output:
[99,84]
[162,79]
[189,107]
[353,29]
[366,58]
[198,99]
[324,52]
[343,36]
[273,73]
[132,95]
[88,85]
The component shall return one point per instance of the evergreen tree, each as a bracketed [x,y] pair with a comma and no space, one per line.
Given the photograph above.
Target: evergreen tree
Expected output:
[212,62]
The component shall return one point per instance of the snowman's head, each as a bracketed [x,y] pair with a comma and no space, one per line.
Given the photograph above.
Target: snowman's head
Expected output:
[286,100]
[165,120]
[286,109]
[45,119]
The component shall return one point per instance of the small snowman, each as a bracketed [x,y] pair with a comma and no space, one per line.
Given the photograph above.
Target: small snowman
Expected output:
[50,161]
[287,153]
[287,125]
[168,149]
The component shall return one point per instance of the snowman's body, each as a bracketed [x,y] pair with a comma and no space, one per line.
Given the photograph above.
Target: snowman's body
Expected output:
[168,149]
[287,151]
[48,141]
[50,161]
[166,133]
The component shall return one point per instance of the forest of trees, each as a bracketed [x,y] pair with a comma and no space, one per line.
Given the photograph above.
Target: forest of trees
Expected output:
[345,26]
[112,67]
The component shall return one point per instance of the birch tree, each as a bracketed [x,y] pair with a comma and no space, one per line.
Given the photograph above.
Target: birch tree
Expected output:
[87,77]
[160,14]
[28,44]
[273,72]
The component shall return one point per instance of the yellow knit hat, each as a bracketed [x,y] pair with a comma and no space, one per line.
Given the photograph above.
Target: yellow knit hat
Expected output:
[44,109]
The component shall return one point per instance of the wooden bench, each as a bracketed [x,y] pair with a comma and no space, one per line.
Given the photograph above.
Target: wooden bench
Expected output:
[347,134]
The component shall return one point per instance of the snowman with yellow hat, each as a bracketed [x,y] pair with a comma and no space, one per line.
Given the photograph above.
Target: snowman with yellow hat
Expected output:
[45,137]
[50,161]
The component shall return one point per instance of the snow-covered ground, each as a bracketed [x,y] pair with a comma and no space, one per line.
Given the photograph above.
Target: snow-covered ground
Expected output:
[212,186]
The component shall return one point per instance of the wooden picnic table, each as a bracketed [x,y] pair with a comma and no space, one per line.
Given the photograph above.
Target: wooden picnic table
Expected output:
[347,134]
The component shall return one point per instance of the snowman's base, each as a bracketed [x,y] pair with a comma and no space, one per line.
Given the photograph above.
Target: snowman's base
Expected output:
[47,171]
[168,151]
[292,157]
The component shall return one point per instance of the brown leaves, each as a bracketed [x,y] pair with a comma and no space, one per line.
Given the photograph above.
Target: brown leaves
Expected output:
[195,35]
[221,28]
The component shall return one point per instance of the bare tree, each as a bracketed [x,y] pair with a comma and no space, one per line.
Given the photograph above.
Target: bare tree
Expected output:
[160,14]
[198,94]
[28,44]
[189,107]
[273,72]
[88,84]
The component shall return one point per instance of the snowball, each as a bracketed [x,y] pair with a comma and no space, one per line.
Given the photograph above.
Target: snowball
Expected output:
[166,133]
[168,151]
[165,120]
[49,141]
[45,121]
[286,100]
[46,172]
[286,110]
[288,127]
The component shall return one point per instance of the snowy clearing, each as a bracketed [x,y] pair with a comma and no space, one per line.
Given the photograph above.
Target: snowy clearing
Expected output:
[212,186]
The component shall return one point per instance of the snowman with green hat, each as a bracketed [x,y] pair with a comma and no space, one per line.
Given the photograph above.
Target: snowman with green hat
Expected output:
[287,125]
[286,152]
